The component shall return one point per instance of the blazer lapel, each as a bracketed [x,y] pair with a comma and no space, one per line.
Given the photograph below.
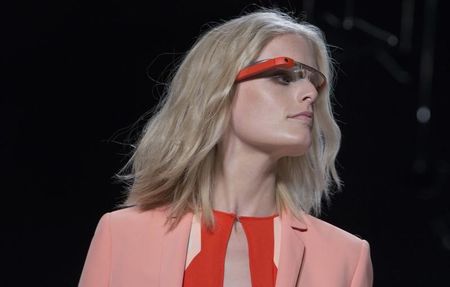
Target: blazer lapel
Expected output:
[291,251]
[173,254]
[175,243]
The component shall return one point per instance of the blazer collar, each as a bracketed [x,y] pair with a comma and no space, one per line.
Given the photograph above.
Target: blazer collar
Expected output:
[175,243]
[292,250]
[173,253]
[298,223]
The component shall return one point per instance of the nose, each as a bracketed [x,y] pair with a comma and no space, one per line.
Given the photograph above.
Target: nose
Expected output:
[307,92]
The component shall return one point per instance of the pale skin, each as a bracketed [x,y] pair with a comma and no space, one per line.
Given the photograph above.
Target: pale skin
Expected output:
[260,133]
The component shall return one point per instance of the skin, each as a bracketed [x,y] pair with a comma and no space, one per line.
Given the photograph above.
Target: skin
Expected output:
[260,133]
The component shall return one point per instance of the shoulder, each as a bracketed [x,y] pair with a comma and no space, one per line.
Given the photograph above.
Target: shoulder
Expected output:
[337,250]
[124,241]
[132,219]
[136,213]
[337,244]
[323,230]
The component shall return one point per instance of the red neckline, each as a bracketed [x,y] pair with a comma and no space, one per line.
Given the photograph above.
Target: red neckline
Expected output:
[233,215]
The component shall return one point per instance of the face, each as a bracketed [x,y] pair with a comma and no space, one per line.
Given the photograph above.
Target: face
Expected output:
[263,109]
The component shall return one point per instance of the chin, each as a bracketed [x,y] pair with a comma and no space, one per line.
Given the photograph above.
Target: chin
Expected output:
[298,153]
[295,150]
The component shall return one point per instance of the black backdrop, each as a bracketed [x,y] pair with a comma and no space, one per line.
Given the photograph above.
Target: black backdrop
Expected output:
[75,83]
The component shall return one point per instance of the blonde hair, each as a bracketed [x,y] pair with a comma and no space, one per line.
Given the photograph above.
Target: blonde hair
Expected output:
[173,164]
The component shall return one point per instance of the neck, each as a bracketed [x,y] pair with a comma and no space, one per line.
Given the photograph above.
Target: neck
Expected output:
[245,181]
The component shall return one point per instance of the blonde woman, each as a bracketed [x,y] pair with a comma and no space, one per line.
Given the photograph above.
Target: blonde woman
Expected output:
[229,173]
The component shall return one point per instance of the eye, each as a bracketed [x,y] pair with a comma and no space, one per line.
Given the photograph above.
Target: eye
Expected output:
[301,73]
[283,77]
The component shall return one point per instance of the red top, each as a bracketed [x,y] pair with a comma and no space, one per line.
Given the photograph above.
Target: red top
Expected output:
[207,267]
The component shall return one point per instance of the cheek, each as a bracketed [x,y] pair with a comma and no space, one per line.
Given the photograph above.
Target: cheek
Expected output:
[255,110]
[259,118]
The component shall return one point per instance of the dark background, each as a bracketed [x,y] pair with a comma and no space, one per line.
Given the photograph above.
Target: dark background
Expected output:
[75,83]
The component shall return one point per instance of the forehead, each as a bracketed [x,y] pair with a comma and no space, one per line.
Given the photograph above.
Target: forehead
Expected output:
[292,46]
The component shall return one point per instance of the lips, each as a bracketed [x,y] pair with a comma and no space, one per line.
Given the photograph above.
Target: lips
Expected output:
[303,115]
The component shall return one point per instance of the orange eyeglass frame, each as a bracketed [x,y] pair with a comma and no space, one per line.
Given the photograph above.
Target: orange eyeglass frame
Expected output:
[275,63]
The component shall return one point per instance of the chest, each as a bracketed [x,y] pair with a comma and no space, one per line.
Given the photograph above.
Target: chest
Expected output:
[237,252]
[237,266]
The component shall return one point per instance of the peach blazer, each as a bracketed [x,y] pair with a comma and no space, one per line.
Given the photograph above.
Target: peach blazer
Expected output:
[132,248]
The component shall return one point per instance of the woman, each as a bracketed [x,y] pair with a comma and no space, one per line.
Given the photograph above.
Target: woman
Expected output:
[228,173]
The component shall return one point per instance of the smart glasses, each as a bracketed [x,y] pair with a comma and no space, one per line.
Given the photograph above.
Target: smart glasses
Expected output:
[283,68]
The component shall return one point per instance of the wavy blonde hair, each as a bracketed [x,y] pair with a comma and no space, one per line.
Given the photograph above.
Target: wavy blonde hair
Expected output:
[173,164]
